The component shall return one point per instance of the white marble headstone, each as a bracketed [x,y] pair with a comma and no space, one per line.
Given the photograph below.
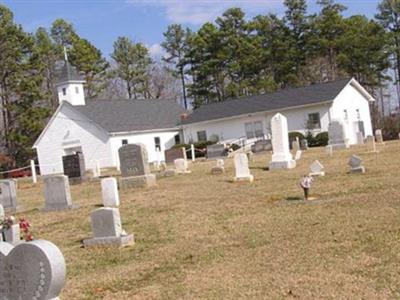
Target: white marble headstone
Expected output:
[2,213]
[181,165]
[8,194]
[360,138]
[242,170]
[378,136]
[281,157]
[31,271]
[298,155]
[317,169]
[109,190]
[56,192]
[106,222]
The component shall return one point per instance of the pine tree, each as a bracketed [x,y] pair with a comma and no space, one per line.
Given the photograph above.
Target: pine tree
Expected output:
[176,46]
[132,66]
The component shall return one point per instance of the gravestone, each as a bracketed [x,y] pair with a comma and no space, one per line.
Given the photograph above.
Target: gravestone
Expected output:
[317,169]
[219,168]
[12,234]
[135,170]
[109,191]
[242,171]
[337,136]
[2,213]
[355,163]
[181,166]
[360,138]
[371,143]
[298,155]
[379,136]
[296,144]
[303,144]
[216,151]
[31,271]
[174,153]
[8,194]
[329,150]
[107,229]
[74,167]
[262,145]
[281,156]
[57,194]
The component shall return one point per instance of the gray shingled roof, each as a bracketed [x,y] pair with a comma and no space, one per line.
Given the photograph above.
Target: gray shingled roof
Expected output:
[132,115]
[282,99]
[69,73]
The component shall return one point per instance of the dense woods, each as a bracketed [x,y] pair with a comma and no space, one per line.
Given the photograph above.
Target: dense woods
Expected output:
[232,57]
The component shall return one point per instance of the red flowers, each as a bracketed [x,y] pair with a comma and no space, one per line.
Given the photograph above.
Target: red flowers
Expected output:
[24,225]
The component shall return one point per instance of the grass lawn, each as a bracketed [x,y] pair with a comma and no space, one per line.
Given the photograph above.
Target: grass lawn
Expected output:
[200,236]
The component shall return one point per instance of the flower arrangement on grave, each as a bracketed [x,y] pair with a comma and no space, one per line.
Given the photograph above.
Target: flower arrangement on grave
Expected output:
[25,226]
[7,223]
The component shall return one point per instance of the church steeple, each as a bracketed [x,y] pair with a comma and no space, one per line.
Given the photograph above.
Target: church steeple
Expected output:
[70,84]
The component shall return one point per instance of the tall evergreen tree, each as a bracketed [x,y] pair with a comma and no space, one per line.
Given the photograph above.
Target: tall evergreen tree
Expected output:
[175,44]
[389,17]
[87,59]
[132,66]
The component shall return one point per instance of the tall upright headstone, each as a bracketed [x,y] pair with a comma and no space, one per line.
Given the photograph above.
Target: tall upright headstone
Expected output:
[242,171]
[371,143]
[74,167]
[379,136]
[57,193]
[8,194]
[34,270]
[360,138]
[281,156]
[134,166]
[107,229]
[109,191]
[337,135]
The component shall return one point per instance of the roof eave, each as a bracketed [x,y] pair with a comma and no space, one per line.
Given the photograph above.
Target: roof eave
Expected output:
[354,83]
[258,112]
[119,133]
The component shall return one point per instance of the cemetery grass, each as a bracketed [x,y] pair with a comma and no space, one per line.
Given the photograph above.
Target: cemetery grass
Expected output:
[200,236]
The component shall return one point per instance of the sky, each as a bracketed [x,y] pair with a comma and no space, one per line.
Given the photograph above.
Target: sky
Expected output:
[103,21]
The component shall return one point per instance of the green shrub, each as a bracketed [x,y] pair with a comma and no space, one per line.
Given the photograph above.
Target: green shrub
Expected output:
[234,147]
[294,134]
[321,139]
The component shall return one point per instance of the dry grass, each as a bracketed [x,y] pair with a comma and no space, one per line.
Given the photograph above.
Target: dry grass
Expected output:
[202,236]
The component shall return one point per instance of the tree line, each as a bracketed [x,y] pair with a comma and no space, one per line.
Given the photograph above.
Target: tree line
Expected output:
[232,57]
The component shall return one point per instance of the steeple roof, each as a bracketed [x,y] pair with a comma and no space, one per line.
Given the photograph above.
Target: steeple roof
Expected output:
[69,73]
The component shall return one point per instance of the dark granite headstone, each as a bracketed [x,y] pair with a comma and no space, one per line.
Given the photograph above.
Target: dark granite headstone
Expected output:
[263,145]
[133,160]
[216,150]
[74,167]
[174,153]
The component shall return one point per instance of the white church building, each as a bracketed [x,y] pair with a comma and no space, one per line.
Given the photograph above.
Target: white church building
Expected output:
[309,108]
[98,128]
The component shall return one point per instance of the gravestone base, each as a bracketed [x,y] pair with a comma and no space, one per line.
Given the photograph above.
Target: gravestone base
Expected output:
[276,165]
[48,208]
[184,172]
[138,181]
[247,178]
[315,174]
[217,170]
[339,146]
[358,170]
[113,241]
